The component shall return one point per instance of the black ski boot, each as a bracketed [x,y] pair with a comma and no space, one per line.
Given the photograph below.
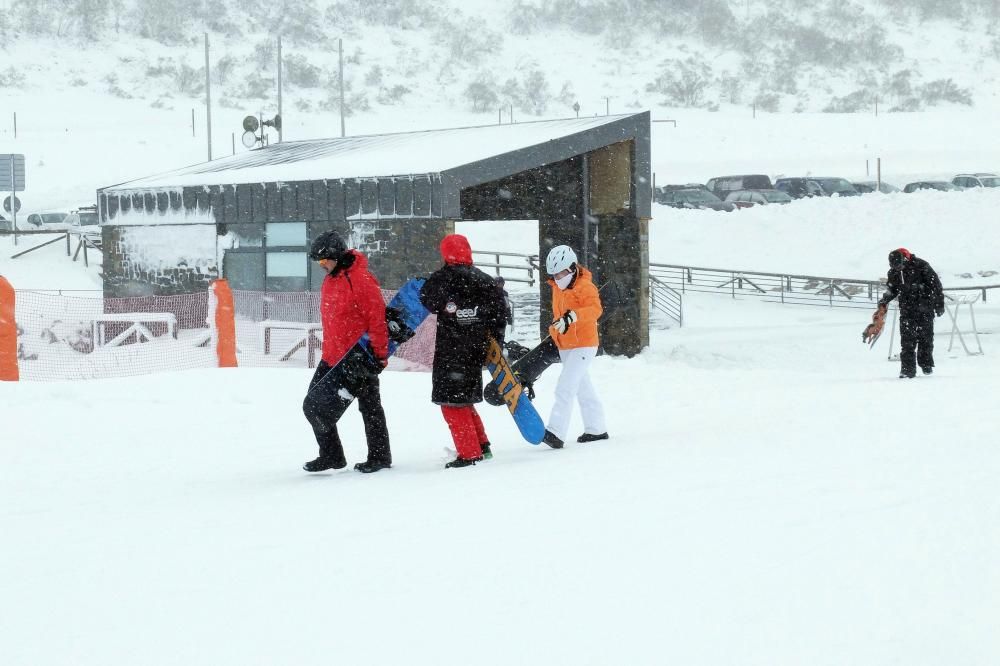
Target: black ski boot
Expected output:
[588,437]
[462,462]
[907,374]
[487,453]
[929,370]
[552,440]
[324,463]
[370,466]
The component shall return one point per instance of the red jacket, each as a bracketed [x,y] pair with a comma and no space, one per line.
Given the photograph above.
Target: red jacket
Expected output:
[351,305]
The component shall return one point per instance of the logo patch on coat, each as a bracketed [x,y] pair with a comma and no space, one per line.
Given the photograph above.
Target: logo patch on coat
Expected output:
[451,308]
[468,315]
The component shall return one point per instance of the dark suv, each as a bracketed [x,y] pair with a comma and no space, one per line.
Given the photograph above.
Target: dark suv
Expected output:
[840,187]
[723,185]
[799,188]
[692,197]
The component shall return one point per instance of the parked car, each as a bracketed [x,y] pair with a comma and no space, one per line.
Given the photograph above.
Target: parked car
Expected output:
[83,218]
[799,188]
[48,220]
[723,185]
[967,180]
[840,187]
[698,199]
[685,186]
[5,224]
[941,185]
[869,186]
[747,198]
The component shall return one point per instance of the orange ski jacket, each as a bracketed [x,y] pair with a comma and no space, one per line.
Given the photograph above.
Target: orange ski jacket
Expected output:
[581,297]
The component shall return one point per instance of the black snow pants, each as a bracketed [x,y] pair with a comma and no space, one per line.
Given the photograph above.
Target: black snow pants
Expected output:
[331,392]
[916,332]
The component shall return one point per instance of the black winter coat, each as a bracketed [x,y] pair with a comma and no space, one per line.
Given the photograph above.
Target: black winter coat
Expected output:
[469,308]
[918,288]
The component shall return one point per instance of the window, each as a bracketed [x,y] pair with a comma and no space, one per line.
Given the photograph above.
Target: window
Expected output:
[266,257]
[286,271]
[286,234]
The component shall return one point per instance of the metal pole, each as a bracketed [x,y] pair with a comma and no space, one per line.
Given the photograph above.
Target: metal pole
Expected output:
[876,106]
[279,88]
[13,206]
[878,172]
[208,101]
[234,143]
[586,210]
[500,116]
[340,47]
[15,124]
[192,122]
[607,106]
[755,109]
[512,113]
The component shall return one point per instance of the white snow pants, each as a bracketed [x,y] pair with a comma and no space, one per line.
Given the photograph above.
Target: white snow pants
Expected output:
[574,384]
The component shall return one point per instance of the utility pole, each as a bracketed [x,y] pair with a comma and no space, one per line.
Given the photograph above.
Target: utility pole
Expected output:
[279,91]
[340,48]
[607,106]
[208,100]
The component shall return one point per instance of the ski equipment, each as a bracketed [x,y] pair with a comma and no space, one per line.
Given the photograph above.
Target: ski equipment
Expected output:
[527,368]
[328,245]
[513,394]
[559,259]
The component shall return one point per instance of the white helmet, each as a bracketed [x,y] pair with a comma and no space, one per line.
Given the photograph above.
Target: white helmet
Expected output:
[559,259]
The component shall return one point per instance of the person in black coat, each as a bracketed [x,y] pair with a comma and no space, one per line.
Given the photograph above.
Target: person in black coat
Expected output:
[921,297]
[470,310]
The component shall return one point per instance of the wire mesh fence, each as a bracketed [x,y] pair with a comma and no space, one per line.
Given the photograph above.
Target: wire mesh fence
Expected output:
[73,337]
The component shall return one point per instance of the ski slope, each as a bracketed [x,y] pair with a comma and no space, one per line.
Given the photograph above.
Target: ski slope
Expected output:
[771,494]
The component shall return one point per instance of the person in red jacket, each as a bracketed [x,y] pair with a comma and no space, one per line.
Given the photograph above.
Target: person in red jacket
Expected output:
[351,305]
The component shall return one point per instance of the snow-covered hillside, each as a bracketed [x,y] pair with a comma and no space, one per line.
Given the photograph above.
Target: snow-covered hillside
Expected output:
[93,112]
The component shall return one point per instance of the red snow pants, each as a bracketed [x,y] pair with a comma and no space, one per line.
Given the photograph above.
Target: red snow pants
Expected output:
[466,430]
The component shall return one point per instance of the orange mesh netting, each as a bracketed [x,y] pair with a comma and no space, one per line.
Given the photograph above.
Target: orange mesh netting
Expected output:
[60,337]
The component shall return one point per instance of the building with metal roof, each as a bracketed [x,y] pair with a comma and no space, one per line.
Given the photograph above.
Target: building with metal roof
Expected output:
[250,217]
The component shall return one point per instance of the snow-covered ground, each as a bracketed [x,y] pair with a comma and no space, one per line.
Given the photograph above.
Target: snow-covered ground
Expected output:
[771,494]
[958,232]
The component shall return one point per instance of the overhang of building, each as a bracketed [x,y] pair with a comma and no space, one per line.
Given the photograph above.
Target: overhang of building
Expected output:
[385,175]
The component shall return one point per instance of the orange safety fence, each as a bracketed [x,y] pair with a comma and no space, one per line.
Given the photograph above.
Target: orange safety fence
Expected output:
[64,337]
[8,333]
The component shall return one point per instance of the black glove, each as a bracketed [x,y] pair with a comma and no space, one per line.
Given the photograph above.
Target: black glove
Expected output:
[563,323]
[939,310]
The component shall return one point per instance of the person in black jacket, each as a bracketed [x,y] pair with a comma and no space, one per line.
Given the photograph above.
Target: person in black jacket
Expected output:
[918,288]
[469,310]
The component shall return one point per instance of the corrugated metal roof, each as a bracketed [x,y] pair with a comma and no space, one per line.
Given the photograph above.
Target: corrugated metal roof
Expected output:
[371,156]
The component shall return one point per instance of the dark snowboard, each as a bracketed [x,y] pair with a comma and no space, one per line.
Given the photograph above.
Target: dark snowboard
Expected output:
[527,369]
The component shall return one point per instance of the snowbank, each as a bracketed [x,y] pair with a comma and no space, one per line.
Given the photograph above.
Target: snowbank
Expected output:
[958,232]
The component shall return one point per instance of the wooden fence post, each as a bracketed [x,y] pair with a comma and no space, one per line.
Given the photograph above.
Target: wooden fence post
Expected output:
[8,333]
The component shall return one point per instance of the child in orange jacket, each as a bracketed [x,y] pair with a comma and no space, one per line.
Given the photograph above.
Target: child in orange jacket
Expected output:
[576,307]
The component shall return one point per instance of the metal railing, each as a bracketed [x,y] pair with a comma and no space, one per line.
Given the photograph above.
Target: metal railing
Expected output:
[780,287]
[530,264]
[666,299]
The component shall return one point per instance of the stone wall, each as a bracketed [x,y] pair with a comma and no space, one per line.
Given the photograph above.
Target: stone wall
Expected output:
[146,261]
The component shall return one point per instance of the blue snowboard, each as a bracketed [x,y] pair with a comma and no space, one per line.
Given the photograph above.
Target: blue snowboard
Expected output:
[514,396]
[404,314]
